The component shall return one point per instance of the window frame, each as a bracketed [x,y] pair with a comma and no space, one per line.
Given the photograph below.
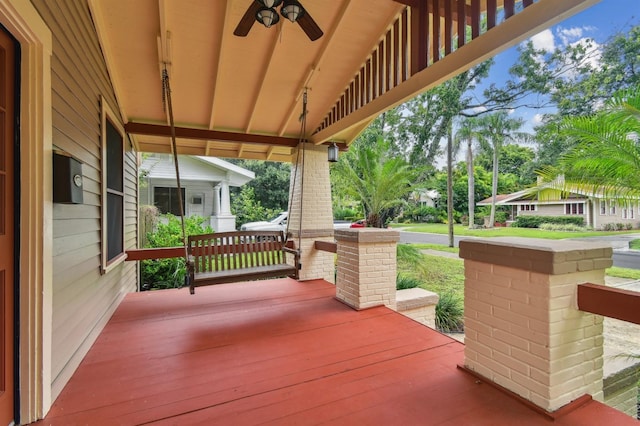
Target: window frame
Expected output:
[109,116]
[171,190]
[603,208]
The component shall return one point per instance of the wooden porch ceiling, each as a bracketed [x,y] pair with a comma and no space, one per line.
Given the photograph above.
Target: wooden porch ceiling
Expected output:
[282,352]
[374,54]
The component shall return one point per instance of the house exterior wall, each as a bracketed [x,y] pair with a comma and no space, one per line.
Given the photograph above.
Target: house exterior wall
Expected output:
[191,188]
[544,210]
[83,298]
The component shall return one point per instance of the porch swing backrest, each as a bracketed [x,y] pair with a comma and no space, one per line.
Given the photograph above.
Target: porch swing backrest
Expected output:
[225,257]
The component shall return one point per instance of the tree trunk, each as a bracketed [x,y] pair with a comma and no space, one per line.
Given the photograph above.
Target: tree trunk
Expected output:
[374,220]
[471,184]
[450,185]
[494,187]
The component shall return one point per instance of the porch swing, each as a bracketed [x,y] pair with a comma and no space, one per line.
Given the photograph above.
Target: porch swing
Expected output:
[226,257]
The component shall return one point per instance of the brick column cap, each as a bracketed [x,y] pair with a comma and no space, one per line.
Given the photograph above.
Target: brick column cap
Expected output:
[367,235]
[551,257]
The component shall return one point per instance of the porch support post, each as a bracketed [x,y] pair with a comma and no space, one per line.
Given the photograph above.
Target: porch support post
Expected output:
[367,267]
[225,199]
[216,200]
[311,213]
[523,329]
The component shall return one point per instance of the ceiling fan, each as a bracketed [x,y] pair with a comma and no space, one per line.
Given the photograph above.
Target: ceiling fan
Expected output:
[264,11]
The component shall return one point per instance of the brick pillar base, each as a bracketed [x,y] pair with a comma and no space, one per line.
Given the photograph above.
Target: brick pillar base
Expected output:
[366,274]
[522,326]
[311,212]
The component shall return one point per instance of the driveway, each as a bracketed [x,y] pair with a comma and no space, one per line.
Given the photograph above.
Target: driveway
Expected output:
[622,256]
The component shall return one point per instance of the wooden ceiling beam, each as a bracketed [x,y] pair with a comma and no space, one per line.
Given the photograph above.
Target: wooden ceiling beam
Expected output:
[205,134]
[216,73]
[266,66]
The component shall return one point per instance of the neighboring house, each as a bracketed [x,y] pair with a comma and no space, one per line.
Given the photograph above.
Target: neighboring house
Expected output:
[596,210]
[205,183]
[427,197]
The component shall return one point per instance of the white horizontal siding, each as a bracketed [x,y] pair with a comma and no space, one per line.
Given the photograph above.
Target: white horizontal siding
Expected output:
[83,299]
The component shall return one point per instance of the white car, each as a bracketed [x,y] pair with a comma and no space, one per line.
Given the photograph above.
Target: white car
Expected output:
[277,224]
[280,224]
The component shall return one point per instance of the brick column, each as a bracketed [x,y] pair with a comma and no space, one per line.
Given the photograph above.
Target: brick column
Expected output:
[366,267]
[316,212]
[522,326]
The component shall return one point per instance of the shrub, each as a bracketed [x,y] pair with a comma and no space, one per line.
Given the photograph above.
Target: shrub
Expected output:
[346,214]
[501,217]
[568,227]
[536,221]
[424,214]
[449,313]
[404,282]
[169,273]
[628,226]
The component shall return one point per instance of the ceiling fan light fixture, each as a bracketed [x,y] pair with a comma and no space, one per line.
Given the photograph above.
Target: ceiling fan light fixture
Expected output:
[292,10]
[269,4]
[267,16]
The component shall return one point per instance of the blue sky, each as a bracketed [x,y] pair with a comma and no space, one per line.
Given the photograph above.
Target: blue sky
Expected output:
[599,22]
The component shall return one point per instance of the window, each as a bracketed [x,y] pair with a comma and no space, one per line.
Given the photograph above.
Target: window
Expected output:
[528,207]
[112,190]
[166,200]
[612,208]
[628,211]
[574,208]
[603,207]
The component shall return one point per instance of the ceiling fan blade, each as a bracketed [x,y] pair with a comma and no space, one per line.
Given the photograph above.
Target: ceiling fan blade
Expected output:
[249,17]
[309,26]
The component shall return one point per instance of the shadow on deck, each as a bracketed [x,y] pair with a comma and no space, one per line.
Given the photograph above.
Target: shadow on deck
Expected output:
[281,352]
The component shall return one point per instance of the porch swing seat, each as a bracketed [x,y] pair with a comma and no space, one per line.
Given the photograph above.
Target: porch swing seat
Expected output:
[226,257]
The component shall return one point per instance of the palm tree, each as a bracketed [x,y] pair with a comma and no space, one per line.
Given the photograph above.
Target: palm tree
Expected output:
[468,131]
[378,180]
[606,159]
[497,130]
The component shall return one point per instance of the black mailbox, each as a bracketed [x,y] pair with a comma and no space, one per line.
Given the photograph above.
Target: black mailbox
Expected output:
[67,179]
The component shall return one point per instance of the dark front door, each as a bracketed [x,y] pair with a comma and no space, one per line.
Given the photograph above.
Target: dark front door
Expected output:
[7,237]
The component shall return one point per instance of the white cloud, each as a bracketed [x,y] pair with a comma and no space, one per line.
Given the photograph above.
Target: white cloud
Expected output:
[479,109]
[544,41]
[538,119]
[593,52]
[570,35]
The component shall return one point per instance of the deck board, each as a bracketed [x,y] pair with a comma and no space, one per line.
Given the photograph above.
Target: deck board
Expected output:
[276,352]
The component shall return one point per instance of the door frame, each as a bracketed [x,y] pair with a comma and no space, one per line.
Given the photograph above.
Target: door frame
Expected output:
[34,272]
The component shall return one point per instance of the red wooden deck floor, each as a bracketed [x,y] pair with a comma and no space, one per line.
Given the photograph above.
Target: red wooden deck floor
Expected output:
[281,352]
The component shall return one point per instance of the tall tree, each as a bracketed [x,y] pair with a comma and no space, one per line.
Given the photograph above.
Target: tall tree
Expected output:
[606,157]
[468,132]
[498,129]
[375,178]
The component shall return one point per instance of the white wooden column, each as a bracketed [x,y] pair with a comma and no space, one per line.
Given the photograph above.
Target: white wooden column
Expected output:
[216,200]
[225,199]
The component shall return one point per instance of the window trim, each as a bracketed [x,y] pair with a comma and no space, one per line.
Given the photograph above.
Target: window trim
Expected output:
[603,208]
[107,114]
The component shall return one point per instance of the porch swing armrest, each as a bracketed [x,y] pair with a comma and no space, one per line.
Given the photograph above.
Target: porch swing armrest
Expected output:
[296,256]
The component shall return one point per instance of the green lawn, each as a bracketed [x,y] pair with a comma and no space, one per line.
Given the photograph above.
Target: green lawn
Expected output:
[441,274]
[460,230]
[634,244]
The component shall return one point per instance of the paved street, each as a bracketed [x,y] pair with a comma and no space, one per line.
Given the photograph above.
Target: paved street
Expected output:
[622,256]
